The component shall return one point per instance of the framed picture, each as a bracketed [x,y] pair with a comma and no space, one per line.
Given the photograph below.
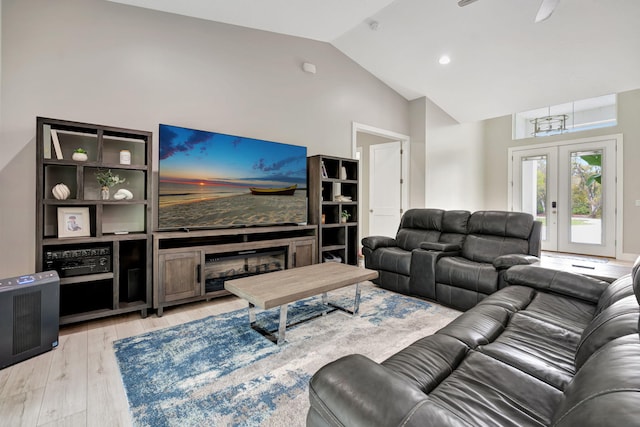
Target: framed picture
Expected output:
[73,222]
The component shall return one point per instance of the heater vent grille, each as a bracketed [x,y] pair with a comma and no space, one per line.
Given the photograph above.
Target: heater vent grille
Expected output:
[27,321]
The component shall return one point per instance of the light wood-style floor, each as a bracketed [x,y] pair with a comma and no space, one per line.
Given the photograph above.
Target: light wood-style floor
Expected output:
[78,383]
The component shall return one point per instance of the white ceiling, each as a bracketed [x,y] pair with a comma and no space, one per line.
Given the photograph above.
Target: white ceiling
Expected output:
[501,62]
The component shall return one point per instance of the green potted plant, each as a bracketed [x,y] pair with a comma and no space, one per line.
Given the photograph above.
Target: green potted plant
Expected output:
[107,179]
[79,155]
[344,216]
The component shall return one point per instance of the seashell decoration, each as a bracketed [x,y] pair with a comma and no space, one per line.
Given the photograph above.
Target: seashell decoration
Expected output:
[123,194]
[61,191]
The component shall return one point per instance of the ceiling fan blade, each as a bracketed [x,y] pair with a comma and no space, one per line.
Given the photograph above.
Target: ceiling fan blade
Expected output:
[546,9]
[465,2]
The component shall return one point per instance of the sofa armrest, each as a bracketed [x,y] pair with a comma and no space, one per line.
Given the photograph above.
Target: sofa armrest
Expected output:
[356,391]
[559,282]
[510,260]
[441,247]
[375,242]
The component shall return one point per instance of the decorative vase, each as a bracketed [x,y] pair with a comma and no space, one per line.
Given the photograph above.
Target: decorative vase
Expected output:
[343,219]
[104,193]
[79,157]
[61,191]
[343,173]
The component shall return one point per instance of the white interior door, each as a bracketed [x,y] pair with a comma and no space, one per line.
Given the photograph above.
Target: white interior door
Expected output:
[385,188]
[571,189]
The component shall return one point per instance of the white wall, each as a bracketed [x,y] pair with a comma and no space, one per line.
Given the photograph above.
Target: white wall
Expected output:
[107,63]
[454,166]
[417,161]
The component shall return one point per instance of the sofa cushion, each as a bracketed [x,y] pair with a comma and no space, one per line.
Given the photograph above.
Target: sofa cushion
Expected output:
[606,389]
[617,290]
[467,274]
[391,259]
[454,227]
[568,313]
[479,326]
[419,225]
[425,219]
[619,319]
[428,361]
[484,391]
[486,248]
[541,349]
[501,223]
[513,298]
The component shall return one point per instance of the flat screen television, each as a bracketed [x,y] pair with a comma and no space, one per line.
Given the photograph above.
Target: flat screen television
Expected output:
[213,180]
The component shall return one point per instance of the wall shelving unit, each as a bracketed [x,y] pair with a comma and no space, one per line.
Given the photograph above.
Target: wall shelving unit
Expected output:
[105,265]
[333,189]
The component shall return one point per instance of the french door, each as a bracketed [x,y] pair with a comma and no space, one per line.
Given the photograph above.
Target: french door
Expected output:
[571,189]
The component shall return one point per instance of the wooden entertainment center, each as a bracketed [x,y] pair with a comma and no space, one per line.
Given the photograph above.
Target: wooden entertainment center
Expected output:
[110,259]
[186,261]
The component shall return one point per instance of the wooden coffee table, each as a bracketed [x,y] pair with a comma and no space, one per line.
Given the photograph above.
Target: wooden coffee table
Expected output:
[280,288]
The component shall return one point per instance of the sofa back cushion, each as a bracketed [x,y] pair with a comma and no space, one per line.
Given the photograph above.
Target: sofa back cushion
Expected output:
[617,320]
[614,292]
[501,223]
[419,225]
[454,227]
[496,233]
[606,390]
[617,315]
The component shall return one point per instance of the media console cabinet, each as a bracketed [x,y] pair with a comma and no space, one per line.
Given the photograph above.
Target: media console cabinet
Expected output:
[193,265]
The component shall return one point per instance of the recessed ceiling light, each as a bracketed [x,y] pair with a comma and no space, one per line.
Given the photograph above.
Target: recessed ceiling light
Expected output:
[444,60]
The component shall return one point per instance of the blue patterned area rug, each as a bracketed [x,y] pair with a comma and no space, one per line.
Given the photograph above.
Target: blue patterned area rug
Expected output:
[217,371]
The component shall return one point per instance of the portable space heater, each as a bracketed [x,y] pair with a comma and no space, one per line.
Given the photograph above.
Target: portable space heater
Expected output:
[29,316]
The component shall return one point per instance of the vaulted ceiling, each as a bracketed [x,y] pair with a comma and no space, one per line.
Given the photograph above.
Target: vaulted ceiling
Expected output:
[501,61]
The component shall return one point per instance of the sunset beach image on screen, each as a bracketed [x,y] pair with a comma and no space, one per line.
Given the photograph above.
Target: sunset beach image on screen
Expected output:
[209,179]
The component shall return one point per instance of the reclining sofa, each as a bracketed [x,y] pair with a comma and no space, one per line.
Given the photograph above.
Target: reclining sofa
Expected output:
[550,349]
[454,257]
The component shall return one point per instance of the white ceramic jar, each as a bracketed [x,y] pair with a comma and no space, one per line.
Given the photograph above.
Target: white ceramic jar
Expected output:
[125,157]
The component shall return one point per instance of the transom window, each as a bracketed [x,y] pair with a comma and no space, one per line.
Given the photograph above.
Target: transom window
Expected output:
[574,116]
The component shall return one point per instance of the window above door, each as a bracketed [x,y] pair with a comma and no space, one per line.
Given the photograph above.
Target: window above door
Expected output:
[574,116]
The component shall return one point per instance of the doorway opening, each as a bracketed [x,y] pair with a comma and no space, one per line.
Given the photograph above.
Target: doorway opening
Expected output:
[384,178]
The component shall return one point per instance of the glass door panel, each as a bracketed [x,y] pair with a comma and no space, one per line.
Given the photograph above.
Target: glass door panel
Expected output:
[586,197]
[587,183]
[535,189]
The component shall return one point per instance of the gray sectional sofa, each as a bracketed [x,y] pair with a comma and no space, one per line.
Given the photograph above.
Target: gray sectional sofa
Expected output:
[548,349]
[454,257]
